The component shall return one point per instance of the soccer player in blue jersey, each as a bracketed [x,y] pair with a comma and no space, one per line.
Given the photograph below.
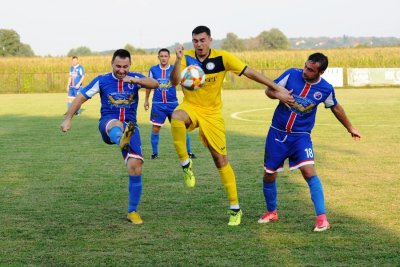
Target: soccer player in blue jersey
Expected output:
[202,109]
[75,80]
[119,100]
[289,134]
[164,101]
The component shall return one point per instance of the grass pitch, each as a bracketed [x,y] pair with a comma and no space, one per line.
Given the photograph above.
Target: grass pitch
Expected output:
[63,197]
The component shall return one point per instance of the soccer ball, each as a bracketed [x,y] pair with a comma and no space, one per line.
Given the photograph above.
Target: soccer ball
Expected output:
[193,77]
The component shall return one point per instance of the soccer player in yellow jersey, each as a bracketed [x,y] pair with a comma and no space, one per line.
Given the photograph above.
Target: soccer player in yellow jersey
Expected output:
[202,109]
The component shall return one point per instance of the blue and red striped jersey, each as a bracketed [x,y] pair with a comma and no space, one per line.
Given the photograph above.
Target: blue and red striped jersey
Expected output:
[301,117]
[117,97]
[166,92]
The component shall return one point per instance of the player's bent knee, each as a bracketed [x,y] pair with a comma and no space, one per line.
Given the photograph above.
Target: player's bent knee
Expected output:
[180,115]
[134,166]
[270,177]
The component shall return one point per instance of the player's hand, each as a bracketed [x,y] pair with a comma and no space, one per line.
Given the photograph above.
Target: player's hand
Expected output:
[66,125]
[179,51]
[146,105]
[129,79]
[355,134]
[285,96]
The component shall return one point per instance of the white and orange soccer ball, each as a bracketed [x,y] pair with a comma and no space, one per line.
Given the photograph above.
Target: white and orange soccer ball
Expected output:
[193,77]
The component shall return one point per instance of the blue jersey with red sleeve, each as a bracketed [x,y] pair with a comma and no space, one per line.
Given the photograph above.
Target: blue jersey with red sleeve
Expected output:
[118,99]
[166,92]
[301,117]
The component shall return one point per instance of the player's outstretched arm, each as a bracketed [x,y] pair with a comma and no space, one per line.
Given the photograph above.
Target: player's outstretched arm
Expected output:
[340,114]
[146,82]
[75,106]
[280,93]
[176,72]
[146,100]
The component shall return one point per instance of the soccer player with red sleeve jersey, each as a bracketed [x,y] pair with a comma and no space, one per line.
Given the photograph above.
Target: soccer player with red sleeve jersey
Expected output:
[289,134]
[119,100]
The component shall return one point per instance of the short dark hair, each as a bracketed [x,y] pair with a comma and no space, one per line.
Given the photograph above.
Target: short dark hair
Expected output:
[321,59]
[163,50]
[74,57]
[122,53]
[201,29]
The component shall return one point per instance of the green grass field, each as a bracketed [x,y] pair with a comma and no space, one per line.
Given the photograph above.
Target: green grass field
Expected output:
[63,196]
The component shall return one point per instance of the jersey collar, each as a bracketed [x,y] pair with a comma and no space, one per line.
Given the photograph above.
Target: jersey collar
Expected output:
[209,54]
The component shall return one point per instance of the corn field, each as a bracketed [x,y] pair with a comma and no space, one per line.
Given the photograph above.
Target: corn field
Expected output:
[50,74]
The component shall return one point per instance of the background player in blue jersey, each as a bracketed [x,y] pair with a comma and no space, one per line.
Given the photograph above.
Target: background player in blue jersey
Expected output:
[289,134]
[75,80]
[119,100]
[164,101]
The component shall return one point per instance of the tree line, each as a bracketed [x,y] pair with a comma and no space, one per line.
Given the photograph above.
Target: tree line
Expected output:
[10,44]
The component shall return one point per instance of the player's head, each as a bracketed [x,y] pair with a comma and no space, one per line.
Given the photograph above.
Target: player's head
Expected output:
[201,39]
[163,56]
[314,67]
[75,60]
[121,63]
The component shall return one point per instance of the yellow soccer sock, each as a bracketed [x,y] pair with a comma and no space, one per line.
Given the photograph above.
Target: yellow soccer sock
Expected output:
[178,131]
[228,179]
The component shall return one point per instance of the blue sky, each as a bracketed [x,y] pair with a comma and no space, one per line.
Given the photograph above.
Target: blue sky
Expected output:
[53,27]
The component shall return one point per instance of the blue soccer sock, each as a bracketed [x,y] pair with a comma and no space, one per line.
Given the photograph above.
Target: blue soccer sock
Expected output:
[135,192]
[154,138]
[270,195]
[188,143]
[115,134]
[69,105]
[317,194]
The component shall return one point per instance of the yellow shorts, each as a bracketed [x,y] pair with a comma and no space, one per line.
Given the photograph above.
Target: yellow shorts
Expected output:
[211,126]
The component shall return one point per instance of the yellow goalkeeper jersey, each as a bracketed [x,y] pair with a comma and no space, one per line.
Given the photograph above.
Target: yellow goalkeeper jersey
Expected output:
[215,67]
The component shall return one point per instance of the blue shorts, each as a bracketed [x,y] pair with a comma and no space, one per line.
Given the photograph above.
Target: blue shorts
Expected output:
[73,91]
[281,145]
[135,145]
[161,111]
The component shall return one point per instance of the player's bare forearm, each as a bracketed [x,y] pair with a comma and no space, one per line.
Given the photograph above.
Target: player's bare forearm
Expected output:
[260,78]
[283,95]
[80,82]
[175,73]
[276,91]
[75,106]
[147,82]
[270,93]
[148,91]
[146,100]
[68,84]
[341,116]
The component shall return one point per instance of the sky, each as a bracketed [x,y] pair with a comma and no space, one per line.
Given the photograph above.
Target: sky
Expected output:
[54,27]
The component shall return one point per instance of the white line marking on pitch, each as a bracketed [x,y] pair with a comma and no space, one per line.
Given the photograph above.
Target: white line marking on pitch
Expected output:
[236,116]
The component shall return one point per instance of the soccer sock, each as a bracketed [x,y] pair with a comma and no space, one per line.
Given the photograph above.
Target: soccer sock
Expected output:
[135,192]
[229,181]
[317,194]
[178,131]
[188,143]
[115,134]
[69,105]
[154,138]
[270,194]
